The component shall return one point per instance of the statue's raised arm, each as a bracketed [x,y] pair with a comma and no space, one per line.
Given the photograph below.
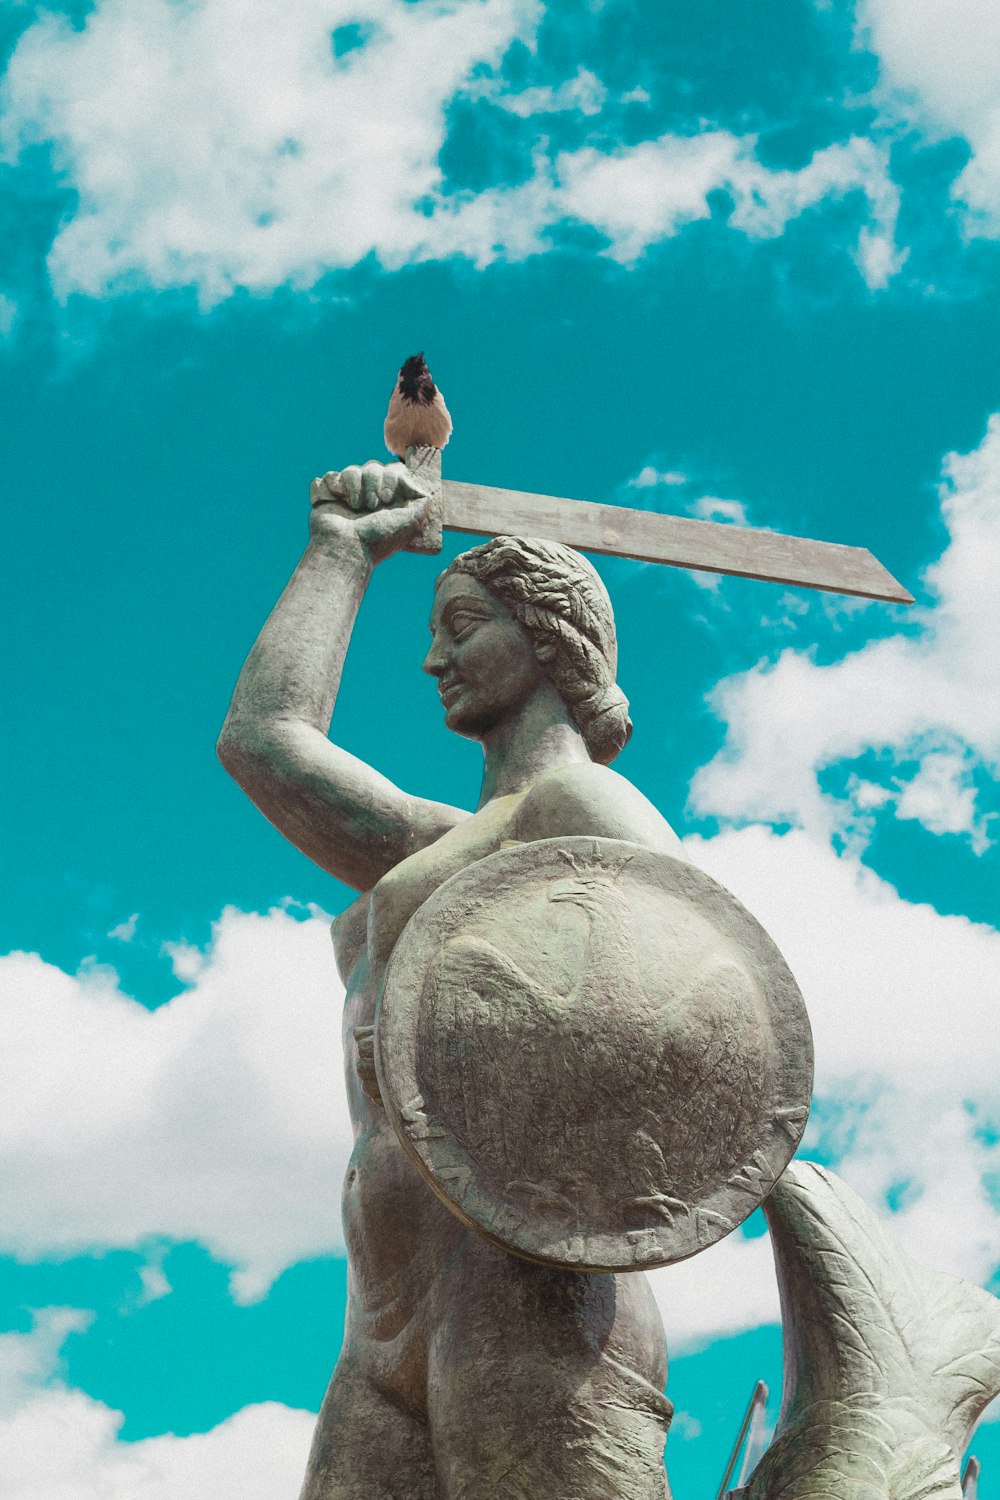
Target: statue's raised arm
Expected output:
[344,815]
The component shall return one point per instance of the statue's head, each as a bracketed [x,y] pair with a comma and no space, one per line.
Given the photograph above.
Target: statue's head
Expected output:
[565,625]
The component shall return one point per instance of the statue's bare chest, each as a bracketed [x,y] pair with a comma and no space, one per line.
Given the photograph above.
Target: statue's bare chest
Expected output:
[398,894]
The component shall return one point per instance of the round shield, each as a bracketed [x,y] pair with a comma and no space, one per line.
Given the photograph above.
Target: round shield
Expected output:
[593,1053]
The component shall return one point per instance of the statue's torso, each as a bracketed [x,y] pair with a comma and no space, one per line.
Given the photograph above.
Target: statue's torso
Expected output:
[399,1235]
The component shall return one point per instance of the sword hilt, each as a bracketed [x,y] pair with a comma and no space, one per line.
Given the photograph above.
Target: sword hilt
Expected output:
[425,464]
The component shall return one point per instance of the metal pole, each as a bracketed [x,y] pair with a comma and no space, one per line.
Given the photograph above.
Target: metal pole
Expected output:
[757,1400]
[970,1479]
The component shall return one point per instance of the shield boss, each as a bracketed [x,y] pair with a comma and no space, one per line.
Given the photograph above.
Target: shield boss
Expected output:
[594,1055]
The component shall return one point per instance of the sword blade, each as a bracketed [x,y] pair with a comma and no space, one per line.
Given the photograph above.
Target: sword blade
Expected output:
[678,541]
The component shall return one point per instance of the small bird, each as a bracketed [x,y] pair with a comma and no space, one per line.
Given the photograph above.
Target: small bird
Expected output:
[417,416]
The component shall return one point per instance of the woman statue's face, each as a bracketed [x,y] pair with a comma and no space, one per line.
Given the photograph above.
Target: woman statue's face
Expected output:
[482,658]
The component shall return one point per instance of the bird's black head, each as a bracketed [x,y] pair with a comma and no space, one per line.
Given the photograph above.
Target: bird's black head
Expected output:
[415,381]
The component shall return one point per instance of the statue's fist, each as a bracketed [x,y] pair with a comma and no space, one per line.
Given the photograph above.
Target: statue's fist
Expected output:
[366,487]
[382,505]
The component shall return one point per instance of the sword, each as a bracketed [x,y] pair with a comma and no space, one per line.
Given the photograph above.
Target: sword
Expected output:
[646,536]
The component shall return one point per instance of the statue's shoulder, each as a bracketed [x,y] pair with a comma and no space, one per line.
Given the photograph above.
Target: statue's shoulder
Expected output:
[593,800]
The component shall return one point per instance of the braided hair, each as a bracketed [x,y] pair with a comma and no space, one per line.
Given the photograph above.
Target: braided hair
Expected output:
[558,598]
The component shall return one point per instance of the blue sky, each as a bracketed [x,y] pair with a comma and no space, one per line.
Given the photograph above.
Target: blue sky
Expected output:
[724,260]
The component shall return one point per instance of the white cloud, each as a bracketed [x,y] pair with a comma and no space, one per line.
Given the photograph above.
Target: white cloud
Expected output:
[124,932]
[57,1443]
[685,1427]
[714,508]
[8,315]
[28,1360]
[644,193]
[649,476]
[222,146]
[584,93]
[895,990]
[924,697]
[942,797]
[939,70]
[219,1117]
[154,1283]
[718,1293]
